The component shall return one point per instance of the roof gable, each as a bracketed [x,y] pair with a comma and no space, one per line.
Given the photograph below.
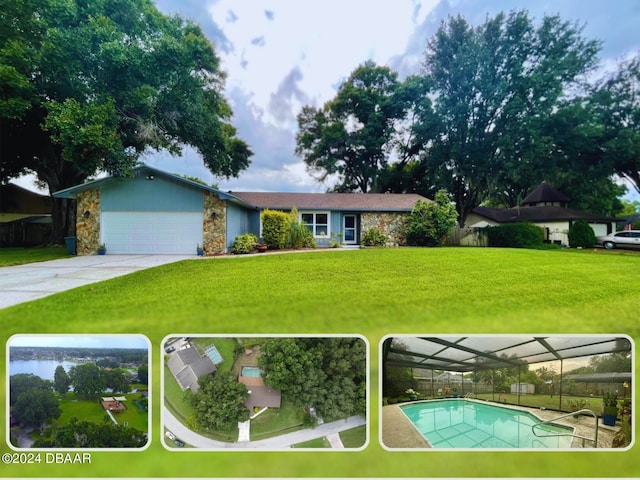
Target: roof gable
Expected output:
[545,193]
[146,172]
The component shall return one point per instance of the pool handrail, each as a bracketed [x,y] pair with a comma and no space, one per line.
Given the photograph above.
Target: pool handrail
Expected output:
[584,411]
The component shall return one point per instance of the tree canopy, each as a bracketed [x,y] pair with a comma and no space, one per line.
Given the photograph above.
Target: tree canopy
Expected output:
[326,373]
[89,86]
[219,402]
[84,434]
[351,135]
[496,109]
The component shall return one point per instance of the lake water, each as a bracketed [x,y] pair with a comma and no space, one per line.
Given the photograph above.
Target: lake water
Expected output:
[44,369]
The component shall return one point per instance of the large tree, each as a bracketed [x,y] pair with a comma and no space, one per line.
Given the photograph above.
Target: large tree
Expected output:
[35,408]
[219,402]
[87,379]
[89,86]
[61,380]
[492,88]
[351,135]
[617,100]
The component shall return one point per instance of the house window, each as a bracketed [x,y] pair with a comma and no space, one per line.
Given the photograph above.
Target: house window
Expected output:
[316,222]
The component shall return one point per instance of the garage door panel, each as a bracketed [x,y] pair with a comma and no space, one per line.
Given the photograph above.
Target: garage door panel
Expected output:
[151,232]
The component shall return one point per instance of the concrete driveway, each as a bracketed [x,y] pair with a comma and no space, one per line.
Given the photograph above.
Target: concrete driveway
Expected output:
[24,283]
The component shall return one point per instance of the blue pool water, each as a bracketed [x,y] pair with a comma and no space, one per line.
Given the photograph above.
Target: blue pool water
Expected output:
[251,372]
[212,352]
[467,424]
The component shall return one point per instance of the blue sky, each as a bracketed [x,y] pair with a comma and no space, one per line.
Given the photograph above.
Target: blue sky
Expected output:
[280,55]
[80,340]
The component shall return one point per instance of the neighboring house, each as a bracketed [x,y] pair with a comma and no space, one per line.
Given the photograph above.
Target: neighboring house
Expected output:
[157,212]
[187,366]
[545,207]
[260,395]
[25,216]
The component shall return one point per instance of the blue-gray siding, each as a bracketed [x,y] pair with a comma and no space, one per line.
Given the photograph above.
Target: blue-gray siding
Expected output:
[238,222]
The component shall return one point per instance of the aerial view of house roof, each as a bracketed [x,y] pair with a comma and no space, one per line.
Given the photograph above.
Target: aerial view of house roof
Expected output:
[187,366]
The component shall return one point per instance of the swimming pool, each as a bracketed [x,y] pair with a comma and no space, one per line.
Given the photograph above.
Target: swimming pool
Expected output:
[251,372]
[212,352]
[467,424]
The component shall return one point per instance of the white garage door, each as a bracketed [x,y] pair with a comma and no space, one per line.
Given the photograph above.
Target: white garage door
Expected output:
[151,232]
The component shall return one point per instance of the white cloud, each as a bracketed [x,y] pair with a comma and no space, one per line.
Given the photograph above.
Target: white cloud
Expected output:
[323,41]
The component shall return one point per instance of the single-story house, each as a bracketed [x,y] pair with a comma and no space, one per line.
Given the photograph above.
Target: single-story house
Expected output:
[25,216]
[187,366]
[260,395]
[545,207]
[153,211]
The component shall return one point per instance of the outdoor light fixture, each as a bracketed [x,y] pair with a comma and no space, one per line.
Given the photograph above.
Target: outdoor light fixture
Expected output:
[86,214]
[150,177]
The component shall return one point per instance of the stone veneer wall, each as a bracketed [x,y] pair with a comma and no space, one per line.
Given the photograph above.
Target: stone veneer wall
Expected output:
[389,223]
[88,222]
[214,225]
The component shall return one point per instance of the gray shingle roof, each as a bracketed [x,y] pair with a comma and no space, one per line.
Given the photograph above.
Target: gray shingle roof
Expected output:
[188,365]
[545,193]
[332,201]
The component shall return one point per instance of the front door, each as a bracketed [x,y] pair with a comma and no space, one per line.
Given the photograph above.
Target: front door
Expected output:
[350,228]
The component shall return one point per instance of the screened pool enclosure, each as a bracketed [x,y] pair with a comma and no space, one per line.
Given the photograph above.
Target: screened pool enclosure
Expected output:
[559,372]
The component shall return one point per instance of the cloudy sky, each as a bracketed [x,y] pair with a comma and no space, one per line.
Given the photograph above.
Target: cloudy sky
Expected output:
[281,54]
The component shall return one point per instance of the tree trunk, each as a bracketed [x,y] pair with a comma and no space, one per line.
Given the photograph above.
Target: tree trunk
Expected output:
[58,175]
[63,215]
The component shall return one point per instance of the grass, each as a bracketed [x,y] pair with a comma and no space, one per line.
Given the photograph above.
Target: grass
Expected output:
[277,421]
[354,437]
[92,411]
[20,255]
[374,293]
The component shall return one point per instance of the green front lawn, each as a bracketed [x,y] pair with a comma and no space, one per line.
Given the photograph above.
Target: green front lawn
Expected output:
[277,421]
[20,255]
[370,292]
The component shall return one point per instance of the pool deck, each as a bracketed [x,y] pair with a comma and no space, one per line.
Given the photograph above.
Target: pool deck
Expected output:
[398,432]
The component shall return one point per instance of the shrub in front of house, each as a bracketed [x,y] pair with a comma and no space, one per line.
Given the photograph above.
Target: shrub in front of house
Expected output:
[581,235]
[515,235]
[374,238]
[243,244]
[275,228]
[300,236]
[429,223]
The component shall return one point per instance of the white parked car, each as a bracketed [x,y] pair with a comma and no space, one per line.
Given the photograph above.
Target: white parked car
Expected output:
[623,239]
[170,435]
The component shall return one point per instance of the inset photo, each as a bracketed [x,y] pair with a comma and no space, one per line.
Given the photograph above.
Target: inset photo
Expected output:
[265,392]
[507,392]
[78,392]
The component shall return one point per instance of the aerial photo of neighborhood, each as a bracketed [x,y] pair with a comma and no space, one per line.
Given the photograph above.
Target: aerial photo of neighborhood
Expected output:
[268,393]
[70,391]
